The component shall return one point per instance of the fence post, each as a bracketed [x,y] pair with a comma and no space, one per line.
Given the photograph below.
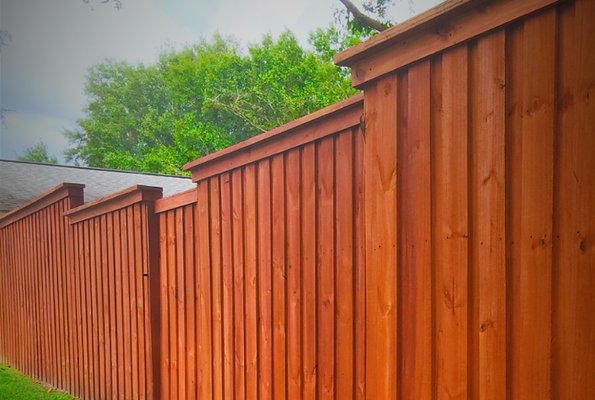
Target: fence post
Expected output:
[154,295]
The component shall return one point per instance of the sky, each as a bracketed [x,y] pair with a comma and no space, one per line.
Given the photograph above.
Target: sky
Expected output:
[53,43]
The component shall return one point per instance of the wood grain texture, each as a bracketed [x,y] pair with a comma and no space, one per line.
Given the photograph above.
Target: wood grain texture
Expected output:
[531,172]
[380,208]
[450,228]
[487,209]
[414,199]
[573,336]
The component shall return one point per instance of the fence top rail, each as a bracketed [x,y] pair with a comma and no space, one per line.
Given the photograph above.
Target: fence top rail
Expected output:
[176,201]
[384,39]
[119,200]
[63,190]
[327,121]
[441,27]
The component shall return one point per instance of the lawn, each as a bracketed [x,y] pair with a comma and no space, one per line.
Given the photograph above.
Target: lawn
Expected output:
[16,386]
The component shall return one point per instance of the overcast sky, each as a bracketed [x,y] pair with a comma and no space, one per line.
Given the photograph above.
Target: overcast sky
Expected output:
[54,42]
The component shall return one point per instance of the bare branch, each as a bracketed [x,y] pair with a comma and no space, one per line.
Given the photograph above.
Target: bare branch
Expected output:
[363,18]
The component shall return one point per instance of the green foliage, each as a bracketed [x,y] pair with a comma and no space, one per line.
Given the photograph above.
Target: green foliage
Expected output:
[16,386]
[38,153]
[198,100]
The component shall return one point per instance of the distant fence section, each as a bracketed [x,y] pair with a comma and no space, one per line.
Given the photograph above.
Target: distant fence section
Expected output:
[429,239]
[278,227]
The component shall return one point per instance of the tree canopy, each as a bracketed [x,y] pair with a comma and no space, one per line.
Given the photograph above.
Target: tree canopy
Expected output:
[155,118]
[38,153]
[200,99]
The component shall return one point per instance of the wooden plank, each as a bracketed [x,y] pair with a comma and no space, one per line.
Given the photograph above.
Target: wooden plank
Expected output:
[251,290]
[308,253]
[344,270]
[125,302]
[190,282]
[439,35]
[380,210]
[573,342]
[70,243]
[152,299]
[279,273]
[54,298]
[172,271]
[326,266]
[60,208]
[216,284]
[227,294]
[532,68]
[487,207]
[204,293]
[293,262]
[92,310]
[265,305]
[415,233]
[104,319]
[176,201]
[165,245]
[118,258]
[134,242]
[360,266]
[84,252]
[129,301]
[180,339]
[111,250]
[144,338]
[450,228]
[384,39]
[237,237]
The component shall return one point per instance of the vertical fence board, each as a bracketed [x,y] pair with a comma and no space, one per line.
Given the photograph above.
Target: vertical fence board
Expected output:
[237,237]
[532,176]
[380,207]
[217,286]
[415,231]
[488,257]
[451,230]
[279,274]
[250,258]
[309,281]
[573,342]
[294,350]
[264,239]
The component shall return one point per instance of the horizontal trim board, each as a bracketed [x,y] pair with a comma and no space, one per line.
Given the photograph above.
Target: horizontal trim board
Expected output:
[63,190]
[132,195]
[384,39]
[452,28]
[176,201]
[329,120]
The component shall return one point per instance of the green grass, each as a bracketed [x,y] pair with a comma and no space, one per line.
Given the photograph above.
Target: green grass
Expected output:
[16,386]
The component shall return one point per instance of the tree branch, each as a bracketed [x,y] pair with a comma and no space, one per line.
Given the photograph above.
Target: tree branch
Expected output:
[363,18]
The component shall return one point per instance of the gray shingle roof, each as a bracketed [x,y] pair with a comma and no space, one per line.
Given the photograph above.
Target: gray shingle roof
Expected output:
[21,181]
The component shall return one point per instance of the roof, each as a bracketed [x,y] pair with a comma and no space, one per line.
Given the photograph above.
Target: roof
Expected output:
[21,181]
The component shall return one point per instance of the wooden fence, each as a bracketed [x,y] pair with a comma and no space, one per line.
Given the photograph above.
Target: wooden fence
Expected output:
[36,327]
[443,249]
[480,186]
[269,248]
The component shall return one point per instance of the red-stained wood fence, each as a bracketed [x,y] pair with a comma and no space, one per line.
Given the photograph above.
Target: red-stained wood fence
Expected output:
[479,176]
[431,239]
[75,295]
[264,286]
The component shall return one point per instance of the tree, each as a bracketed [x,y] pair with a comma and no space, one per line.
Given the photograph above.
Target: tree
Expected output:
[38,153]
[198,100]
